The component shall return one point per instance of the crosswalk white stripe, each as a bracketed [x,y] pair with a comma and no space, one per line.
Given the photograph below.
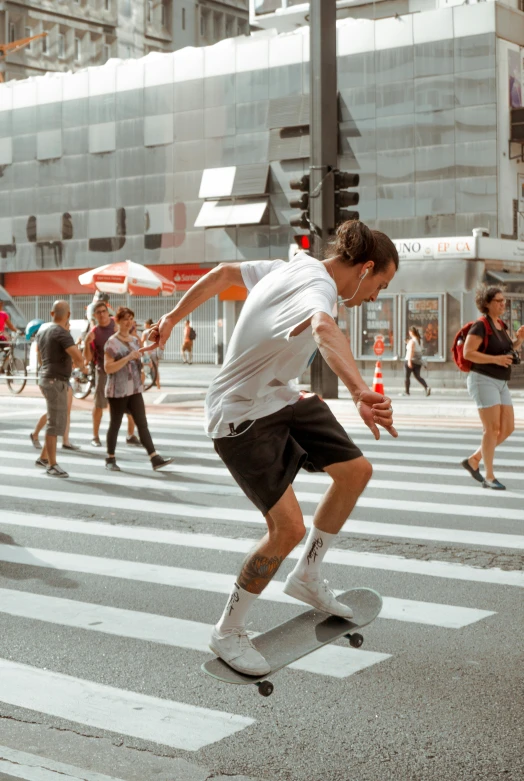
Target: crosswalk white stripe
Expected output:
[364,442]
[31,767]
[221,471]
[221,583]
[180,509]
[218,489]
[165,722]
[382,454]
[166,424]
[171,537]
[180,633]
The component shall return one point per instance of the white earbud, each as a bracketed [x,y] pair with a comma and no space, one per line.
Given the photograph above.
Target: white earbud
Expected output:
[366,272]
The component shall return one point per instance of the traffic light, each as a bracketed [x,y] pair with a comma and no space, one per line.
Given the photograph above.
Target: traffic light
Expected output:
[302,203]
[303,241]
[343,198]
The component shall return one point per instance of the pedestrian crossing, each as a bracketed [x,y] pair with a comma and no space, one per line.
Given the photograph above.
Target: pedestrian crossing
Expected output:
[181,535]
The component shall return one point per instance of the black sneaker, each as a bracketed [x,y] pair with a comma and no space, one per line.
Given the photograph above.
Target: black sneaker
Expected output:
[133,440]
[111,465]
[96,442]
[42,462]
[158,462]
[56,471]
[35,441]
[70,446]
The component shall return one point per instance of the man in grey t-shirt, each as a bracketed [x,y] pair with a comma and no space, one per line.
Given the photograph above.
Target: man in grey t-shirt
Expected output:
[265,430]
[57,353]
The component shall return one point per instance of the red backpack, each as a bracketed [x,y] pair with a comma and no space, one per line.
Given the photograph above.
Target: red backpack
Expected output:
[457,349]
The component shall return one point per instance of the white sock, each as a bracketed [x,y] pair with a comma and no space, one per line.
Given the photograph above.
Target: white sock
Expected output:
[317,544]
[235,611]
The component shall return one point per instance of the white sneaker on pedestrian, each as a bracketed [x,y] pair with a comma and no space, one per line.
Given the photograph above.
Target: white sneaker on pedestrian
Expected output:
[237,650]
[317,594]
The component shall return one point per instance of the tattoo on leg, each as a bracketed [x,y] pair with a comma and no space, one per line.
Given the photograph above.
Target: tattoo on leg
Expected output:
[258,568]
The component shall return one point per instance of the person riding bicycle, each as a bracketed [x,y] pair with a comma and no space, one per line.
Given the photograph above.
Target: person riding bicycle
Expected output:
[5,322]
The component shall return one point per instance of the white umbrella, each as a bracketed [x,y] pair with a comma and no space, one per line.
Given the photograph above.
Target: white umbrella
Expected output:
[127,277]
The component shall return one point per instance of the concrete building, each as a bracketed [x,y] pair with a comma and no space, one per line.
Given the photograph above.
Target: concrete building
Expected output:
[82,33]
[184,160]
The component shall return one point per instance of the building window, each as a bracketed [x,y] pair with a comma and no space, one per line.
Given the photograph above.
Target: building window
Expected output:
[61,46]
[106,52]
[44,44]
[129,52]
[27,34]
[230,27]
[149,10]
[78,50]
[12,32]
[203,24]
[184,18]
[163,14]
[107,5]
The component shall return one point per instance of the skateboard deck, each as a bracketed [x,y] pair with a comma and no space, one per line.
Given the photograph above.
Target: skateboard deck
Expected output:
[300,636]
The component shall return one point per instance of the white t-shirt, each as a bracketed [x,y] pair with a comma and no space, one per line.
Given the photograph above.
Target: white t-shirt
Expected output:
[262,358]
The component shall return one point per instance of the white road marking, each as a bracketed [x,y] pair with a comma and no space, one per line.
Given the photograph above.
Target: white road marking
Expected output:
[158,484]
[165,722]
[180,577]
[340,662]
[31,767]
[364,442]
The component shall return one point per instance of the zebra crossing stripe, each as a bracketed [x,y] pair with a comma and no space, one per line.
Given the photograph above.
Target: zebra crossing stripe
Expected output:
[138,462]
[333,661]
[182,510]
[217,489]
[221,583]
[164,722]
[30,767]
[364,442]
[368,528]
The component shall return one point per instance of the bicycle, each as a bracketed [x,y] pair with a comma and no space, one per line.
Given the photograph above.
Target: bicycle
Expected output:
[13,367]
[150,371]
[82,384]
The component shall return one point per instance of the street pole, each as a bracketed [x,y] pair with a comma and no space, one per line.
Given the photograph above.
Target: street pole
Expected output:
[324,152]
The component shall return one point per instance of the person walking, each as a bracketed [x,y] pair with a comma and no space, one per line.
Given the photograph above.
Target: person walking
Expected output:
[66,441]
[264,430]
[94,352]
[488,380]
[187,343]
[57,352]
[413,364]
[124,388]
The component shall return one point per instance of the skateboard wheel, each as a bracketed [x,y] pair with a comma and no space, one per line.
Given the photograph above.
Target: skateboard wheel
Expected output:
[265,688]
[355,640]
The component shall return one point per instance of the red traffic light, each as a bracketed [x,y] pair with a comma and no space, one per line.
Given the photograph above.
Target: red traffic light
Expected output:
[303,241]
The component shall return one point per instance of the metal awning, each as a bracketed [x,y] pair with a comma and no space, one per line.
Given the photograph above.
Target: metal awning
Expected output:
[221,214]
[506,277]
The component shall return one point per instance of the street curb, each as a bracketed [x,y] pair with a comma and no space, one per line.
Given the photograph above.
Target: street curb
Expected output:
[175,398]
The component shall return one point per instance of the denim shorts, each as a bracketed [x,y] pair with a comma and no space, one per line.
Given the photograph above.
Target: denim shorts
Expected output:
[487,391]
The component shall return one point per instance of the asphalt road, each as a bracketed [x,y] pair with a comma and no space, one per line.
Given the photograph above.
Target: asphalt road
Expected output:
[108,586]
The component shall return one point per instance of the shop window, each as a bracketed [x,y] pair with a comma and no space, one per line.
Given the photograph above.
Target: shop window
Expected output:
[378,322]
[427,313]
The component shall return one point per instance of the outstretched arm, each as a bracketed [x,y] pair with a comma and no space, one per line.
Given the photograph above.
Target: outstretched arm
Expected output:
[374,408]
[213,283]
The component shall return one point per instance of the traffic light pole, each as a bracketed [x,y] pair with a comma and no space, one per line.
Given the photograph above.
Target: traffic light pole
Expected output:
[324,152]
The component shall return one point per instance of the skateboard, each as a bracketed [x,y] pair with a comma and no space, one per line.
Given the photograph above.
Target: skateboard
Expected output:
[300,636]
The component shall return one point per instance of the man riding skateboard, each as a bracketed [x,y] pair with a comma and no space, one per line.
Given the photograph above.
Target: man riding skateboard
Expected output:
[264,430]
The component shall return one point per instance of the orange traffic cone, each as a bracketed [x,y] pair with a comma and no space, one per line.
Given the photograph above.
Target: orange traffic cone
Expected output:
[378,385]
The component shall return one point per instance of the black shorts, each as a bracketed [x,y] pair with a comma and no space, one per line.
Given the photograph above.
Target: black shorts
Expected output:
[264,456]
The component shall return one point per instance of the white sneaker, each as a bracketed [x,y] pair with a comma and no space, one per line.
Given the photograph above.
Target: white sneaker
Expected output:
[237,650]
[317,594]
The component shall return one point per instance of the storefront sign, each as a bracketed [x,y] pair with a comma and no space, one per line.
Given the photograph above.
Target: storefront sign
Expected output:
[425,314]
[185,277]
[378,327]
[433,249]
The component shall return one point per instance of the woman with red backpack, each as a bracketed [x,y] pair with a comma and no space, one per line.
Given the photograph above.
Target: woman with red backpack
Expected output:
[491,352]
